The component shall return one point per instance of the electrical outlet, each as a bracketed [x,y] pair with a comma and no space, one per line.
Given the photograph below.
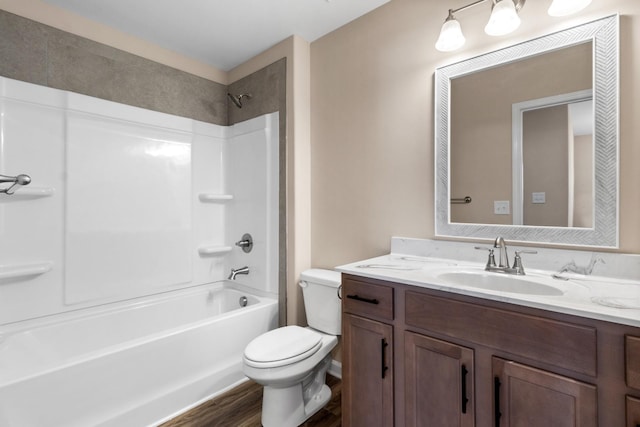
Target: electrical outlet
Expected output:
[501,207]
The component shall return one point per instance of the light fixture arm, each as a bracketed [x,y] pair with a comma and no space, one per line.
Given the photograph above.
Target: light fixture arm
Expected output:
[470,5]
[518,3]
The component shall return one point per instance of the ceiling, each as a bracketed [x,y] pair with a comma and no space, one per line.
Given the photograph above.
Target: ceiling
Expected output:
[221,33]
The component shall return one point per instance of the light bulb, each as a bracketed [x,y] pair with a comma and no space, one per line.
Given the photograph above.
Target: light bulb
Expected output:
[503,20]
[567,7]
[451,37]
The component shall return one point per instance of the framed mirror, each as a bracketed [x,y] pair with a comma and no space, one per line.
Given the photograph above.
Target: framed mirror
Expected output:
[526,140]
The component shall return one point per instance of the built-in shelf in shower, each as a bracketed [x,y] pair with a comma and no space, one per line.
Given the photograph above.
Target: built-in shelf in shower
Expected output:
[214,197]
[20,271]
[33,192]
[209,250]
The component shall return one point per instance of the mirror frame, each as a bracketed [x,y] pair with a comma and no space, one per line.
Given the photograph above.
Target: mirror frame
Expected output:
[603,33]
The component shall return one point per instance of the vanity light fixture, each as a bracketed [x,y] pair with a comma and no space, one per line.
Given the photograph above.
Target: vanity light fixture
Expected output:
[451,37]
[503,20]
[567,7]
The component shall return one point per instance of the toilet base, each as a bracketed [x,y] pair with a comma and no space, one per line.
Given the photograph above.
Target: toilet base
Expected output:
[286,409]
[293,405]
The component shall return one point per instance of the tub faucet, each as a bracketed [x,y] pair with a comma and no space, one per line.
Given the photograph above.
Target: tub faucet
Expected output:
[235,272]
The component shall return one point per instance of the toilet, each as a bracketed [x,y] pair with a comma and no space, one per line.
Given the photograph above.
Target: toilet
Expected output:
[291,362]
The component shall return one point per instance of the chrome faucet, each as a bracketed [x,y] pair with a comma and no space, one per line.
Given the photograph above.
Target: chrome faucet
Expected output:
[235,272]
[502,255]
[15,182]
[503,264]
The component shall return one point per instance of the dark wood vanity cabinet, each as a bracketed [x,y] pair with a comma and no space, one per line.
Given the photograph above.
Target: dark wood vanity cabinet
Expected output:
[461,361]
[633,412]
[632,373]
[526,396]
[438,382]
[367,355]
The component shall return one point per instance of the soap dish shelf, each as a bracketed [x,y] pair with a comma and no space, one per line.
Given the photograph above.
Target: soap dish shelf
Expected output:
[214,197]
[19,271]
[210,250]
[33,192]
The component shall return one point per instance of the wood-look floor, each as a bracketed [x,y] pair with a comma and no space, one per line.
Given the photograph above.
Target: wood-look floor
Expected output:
[242,406]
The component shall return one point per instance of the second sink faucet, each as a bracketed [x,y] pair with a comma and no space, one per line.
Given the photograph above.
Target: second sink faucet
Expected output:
[236,271]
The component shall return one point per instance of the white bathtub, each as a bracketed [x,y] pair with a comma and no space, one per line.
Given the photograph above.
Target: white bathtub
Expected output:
[131,364]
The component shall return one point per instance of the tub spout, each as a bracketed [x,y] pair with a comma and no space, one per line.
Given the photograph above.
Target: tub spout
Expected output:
[235,272]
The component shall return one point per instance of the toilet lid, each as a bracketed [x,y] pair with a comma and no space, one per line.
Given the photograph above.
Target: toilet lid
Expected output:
[282,346]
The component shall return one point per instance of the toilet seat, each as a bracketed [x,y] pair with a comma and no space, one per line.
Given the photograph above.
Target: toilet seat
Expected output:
[282,346]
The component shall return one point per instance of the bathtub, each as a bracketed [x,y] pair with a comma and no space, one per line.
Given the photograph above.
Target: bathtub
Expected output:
[135,364]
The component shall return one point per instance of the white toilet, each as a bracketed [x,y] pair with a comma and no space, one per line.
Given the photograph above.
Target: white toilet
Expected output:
[291,362]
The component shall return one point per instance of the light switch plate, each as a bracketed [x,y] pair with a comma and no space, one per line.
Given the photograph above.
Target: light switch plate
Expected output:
[501,207]
[539,197]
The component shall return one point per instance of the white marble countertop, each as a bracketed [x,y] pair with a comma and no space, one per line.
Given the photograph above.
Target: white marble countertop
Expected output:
[604,298]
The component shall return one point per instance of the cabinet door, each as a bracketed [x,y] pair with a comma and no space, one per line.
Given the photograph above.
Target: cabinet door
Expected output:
[367,373]
[529,397]
[438,383]
[633,412]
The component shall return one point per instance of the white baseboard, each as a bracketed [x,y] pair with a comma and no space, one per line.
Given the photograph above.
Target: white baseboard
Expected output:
[335,369]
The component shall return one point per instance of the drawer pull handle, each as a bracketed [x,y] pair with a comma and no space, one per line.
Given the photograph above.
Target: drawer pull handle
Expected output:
[382,357]
[465,400]
[367,300]
[496,400]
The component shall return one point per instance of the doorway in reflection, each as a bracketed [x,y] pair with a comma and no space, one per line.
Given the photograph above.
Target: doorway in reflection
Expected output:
[556,166]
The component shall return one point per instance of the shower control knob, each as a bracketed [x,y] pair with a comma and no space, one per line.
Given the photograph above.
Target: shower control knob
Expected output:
[246,243]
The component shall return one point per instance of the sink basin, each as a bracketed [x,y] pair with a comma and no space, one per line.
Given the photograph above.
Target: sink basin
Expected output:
[499,282]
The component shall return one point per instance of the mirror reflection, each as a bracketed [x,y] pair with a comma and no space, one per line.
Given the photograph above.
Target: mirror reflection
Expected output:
[521,141]
[556,166]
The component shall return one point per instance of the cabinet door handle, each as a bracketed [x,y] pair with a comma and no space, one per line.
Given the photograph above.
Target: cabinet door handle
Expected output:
[464,372]
[367,300]
[383,366]
[496,400]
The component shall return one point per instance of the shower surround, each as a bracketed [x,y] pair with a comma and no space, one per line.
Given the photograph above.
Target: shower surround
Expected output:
[125,204]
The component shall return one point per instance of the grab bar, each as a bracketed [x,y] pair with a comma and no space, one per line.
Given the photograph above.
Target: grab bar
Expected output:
[15,181]
[463,200]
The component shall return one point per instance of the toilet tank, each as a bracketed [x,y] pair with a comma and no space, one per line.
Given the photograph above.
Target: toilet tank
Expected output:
[321,302]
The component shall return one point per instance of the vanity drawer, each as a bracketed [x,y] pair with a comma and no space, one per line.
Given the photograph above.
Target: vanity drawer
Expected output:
[561,344]
[632,358]
[367,299]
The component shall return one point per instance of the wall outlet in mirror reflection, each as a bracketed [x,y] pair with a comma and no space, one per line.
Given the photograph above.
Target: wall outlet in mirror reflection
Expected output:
[501,207]
[539,197]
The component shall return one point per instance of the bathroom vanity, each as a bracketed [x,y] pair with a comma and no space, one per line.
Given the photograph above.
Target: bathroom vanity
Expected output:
[421,351]
[432,339]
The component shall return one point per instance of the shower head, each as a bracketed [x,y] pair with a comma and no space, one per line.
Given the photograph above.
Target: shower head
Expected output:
[237,100]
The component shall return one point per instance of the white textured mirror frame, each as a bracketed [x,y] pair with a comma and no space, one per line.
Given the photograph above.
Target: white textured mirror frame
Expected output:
[604,35]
